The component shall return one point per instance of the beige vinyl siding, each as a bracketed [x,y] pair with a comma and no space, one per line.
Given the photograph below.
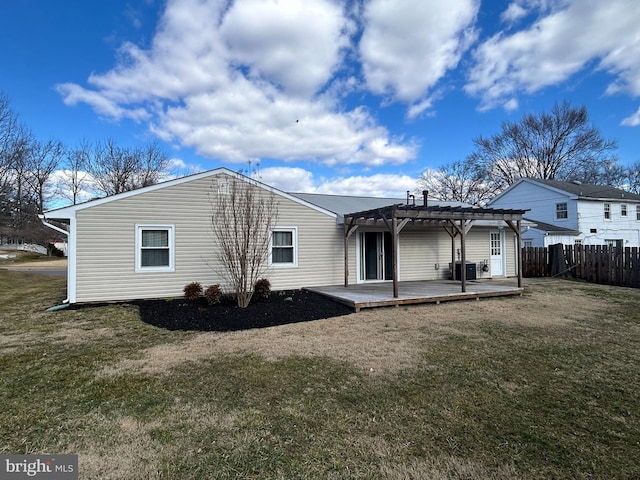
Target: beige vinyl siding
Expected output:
[320,244]
[479,249]
[106,245]
[511,249]
[420,250]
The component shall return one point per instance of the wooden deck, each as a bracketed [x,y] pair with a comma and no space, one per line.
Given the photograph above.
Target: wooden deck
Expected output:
[371,295]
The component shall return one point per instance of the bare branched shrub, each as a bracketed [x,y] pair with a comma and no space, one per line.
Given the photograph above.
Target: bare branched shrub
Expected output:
[243,215]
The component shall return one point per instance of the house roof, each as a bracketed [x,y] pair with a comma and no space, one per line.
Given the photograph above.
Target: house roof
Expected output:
[549,228]
[69,212]
[342,205]
[587,190]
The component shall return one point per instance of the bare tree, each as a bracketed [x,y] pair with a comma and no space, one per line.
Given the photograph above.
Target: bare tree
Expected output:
[561,145]
[152,164]
[115,169]
[460,181]
[74,179]
[18,170]
[43,160]
[632,178]
[243,216]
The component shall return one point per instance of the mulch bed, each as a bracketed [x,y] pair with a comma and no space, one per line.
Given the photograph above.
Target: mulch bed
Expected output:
[279,308]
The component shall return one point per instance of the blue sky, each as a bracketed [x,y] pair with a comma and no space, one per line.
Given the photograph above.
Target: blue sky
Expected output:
[345,97]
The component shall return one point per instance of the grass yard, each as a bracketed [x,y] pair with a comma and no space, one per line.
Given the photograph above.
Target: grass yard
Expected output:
[541,386]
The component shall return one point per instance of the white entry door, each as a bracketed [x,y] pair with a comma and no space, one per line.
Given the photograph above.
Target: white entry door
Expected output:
[497,258]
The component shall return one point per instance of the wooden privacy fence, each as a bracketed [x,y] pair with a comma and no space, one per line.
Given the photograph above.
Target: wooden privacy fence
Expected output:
[593,263]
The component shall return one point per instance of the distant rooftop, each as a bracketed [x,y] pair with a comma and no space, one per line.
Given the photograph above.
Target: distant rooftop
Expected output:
[345,204]
[589,190]
[549,228]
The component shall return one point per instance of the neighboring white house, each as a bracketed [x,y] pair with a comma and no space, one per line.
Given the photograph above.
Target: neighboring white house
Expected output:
[107,251]
[541,234]
[574,213]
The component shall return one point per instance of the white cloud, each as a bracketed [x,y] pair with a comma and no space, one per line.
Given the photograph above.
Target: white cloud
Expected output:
[514,12]
[288,179]
[252,81]
[569,38]
[297,179]
[293,44]
[519,9]
[102,104]
[378,185]
[408,45]
[633,120]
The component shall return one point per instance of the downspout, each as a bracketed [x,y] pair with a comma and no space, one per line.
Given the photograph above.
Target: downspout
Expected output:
[60,230]
[47,224]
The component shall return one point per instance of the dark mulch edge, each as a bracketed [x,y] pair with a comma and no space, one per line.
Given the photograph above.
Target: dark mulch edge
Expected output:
[280,308]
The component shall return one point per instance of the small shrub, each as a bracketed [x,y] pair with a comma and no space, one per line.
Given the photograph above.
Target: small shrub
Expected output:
[213,294]
[192,291]
[262,288]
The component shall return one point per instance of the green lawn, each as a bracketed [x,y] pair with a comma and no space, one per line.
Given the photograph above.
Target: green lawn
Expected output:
[507,389]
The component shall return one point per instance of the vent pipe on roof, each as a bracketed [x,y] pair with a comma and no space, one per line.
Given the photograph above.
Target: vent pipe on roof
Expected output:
[425,194]
[411,199]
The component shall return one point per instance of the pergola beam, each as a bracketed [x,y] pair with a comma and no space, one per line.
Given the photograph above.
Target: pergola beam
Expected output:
[455,220]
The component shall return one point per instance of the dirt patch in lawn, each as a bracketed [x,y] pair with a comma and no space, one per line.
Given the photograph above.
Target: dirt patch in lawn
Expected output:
[379,341]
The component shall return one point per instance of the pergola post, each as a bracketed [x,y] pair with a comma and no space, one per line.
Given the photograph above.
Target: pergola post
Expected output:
[463,256]
[452,233]
[394,240]
[519,253]
[346,257]
[348,230]
[517,229]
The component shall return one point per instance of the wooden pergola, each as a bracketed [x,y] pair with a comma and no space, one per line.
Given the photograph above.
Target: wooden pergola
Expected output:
[455,221]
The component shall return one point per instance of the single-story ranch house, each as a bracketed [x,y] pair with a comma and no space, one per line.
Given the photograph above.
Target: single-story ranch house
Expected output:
[151,242]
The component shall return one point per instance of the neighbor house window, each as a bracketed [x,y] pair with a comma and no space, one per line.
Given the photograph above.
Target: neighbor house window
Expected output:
[637,212]
[613,243]
[607,211]
[154,248]
[284,249]
[561,211]
[623,210]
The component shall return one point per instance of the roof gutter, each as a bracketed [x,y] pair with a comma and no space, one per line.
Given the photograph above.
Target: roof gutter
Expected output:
[43,219]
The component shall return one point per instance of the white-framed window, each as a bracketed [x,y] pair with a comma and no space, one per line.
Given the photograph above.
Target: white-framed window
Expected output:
[155,248]
[637,212]
[613,243]
[284,247]
[623,210]
[562,212]
[607,211]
